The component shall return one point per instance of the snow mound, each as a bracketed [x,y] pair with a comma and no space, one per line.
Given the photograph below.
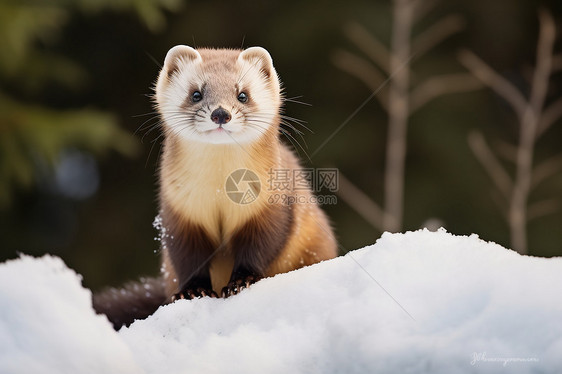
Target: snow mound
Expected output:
[419,302]
[47,324]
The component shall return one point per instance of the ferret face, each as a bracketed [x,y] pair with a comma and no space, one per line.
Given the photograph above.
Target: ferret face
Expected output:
[218,96]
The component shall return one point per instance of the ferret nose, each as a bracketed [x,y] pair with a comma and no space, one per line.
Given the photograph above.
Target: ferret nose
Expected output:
[220,116]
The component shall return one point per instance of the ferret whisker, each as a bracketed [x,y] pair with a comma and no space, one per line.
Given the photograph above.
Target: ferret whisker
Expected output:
[147,124]
[257,128]
[290,126]
[152,148]
[156,117]
[155,127]
[145,114]
[293,119]
[300,134]
[293,141]
[287,118]
[142,125]
[287,133]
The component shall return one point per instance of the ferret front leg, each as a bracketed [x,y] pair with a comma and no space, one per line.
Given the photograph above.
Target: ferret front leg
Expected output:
[196,287]
[256,245]
[188,249]
[241,279]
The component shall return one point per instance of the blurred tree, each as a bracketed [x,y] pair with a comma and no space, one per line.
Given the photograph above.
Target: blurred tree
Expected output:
[389,75]
[33,135]
[534,120]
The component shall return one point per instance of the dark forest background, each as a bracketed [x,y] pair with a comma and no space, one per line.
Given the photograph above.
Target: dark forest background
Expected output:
[77,179]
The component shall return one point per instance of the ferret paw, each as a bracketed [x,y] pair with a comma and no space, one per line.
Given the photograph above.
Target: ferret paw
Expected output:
[194,293]
[236,286]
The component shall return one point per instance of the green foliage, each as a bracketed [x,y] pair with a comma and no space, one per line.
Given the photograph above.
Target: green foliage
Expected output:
[22,28]
[32,136]
[148,11]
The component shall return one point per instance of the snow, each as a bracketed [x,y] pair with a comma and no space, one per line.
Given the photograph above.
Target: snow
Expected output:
[47,324]
[419,302]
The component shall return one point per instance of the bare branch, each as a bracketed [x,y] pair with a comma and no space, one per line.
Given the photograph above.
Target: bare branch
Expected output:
[542,208]
[546,169]
[549,116]
[441,85]
[364,71]
[496,82]
[398,113]
[437,33]
[528,127]
[547,35]
[360,202]
[490,163]
[370,45]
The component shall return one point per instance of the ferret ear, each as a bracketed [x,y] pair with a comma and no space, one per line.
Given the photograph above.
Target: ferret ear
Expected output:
[261,58]
[178,54]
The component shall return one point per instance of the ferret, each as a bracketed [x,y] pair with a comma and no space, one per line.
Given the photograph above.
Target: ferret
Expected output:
[222,224]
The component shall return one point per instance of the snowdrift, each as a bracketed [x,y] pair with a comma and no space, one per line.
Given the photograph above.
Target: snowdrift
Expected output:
[419,302]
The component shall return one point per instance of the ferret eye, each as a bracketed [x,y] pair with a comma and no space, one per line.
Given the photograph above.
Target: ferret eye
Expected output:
[243,97]
[196,96]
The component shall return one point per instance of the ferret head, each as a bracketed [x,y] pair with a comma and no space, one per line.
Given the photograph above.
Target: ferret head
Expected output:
[218,96]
